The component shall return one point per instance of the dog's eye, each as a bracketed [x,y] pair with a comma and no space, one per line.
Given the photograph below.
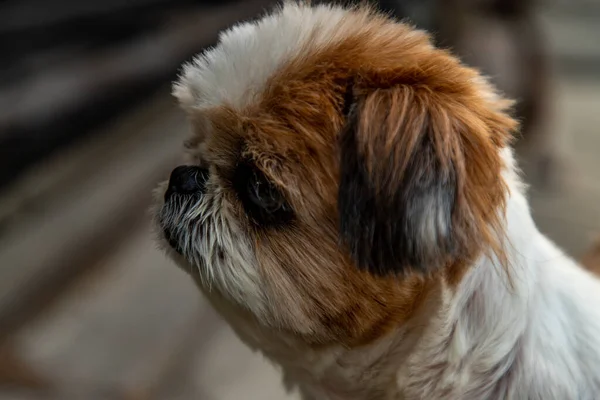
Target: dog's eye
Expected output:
[263,194]
[264,203]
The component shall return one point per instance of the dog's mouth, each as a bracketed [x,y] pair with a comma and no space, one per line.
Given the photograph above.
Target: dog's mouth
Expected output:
[170,217]
[177,219]
[172,240]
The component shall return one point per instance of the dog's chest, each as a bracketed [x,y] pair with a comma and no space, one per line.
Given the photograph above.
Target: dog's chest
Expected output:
[332,373]
[327,374]
[333,385]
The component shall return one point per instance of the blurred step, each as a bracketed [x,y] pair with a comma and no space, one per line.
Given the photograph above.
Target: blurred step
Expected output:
[119,331]
[570,214]
[572,29]
[72,211]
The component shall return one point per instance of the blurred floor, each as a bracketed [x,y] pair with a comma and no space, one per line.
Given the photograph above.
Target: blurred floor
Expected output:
[133,326]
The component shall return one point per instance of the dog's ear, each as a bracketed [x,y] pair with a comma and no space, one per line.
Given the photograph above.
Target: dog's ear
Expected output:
[420,181]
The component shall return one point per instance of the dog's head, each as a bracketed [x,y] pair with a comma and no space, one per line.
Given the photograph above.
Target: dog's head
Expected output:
[339,166]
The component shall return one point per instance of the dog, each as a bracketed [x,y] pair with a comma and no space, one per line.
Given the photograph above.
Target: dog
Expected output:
[351,206]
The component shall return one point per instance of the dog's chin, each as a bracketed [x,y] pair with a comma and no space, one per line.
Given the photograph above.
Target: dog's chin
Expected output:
[174,251]
[170,217]
[172,241]
[164,230]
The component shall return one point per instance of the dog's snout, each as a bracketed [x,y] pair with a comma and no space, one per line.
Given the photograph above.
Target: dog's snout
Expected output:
[187,179]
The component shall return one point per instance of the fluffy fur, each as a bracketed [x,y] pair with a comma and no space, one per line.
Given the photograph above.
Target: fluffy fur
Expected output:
[408,266]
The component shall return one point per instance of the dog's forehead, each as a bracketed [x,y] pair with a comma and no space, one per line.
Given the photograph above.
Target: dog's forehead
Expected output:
[235,71]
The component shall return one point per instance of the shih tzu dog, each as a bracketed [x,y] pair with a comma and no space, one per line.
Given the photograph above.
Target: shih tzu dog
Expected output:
[352,208]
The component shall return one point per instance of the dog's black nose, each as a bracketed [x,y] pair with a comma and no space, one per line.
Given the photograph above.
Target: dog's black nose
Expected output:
[187,180]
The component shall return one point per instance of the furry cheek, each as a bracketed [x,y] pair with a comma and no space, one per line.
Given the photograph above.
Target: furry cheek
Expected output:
[202,237]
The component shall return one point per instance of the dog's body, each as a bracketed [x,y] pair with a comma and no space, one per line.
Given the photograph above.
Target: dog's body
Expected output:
[354,212]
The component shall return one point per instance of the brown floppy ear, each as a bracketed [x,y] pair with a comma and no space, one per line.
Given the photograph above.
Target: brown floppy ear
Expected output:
[420,179]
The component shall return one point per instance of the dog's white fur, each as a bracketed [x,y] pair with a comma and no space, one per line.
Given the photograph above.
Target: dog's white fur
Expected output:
[536,336]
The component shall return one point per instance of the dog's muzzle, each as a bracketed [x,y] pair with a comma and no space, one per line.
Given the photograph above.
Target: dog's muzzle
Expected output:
[186,182]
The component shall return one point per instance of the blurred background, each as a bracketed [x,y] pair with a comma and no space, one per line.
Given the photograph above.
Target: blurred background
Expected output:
[89,309]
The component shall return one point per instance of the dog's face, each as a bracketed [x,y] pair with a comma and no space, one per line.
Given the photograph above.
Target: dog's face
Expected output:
[340,167]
